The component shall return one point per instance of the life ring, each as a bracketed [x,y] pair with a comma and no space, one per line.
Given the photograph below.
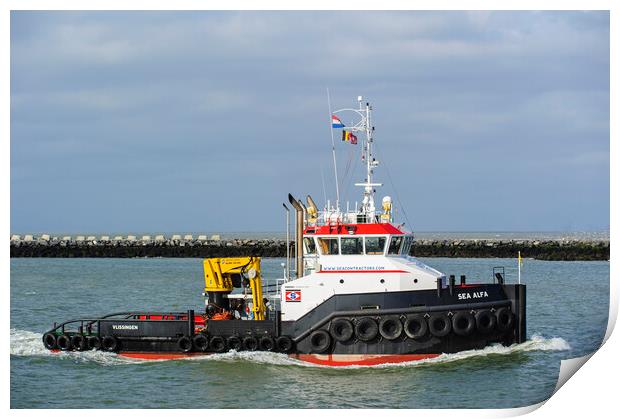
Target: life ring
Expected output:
[184,344]
[416,326]
[463,323]
[49,341]
[439,324]
[505,318]
[390,327]
[250,343]
[320,341]
[284,344]
[485,321]
[366,329]
[217,344]
[201,342]
[341,330]
[234,343]
[109,343]
[93,343]
[63,342]
[266,343]
[78,342]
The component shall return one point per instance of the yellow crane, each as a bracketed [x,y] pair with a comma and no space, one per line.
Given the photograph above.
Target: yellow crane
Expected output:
[222,275]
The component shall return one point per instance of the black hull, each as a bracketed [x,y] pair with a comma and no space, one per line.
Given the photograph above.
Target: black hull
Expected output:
[314,333]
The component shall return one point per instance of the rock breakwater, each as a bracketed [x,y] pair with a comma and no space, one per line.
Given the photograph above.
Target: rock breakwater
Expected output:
[201,247]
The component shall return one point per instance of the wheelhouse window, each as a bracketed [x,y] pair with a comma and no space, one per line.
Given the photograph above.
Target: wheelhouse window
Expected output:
[351,246]
[309,246]
[375,245]
[395,243]
[407,245]
[328,245]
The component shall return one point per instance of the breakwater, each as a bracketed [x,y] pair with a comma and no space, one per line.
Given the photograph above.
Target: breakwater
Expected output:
[203,246]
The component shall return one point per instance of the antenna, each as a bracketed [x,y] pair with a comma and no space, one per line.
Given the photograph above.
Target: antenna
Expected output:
[329,105]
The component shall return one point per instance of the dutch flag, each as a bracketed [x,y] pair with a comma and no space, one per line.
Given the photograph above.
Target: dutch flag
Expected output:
[336,123]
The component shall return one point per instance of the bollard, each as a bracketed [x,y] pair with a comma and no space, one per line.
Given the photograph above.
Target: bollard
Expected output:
[462,279]
[451,284]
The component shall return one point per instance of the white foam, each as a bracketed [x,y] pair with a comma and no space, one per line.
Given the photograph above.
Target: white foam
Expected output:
[26,343]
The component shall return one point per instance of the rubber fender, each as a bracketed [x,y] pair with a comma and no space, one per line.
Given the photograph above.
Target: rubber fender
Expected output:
[485,321]
[234,342]
[366,329]
[266,343]
[439,324]
[109,343]
[284,344]
[463,323]
[64,343]
[49,341]
[201,342]
[320,341]
[184,344]
[78,342]
[341,330]
[217,344]
[250,343]
[505,318]
[390,327]
[416,326]
[93,343]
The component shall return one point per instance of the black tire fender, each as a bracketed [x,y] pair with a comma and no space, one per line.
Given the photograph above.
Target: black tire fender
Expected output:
[463,323]
[109,344]
[485,321]
[416,326]
[266,343]
[366,329]
[320,341]
[284,344]
[234,342]
[93,343]
[217,344]
[78,342]
[49,341]
[439,324]
[505,318]
[390,327]
[250,343]
[184,344]
[201,342]
[341,330]
[64,343]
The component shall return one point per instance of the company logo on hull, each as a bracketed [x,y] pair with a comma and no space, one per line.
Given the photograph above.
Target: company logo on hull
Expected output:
[292,296]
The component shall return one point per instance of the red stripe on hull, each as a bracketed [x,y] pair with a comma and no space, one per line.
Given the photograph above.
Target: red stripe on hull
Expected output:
[159,356]
[332,360]
[363,272]
[342,360]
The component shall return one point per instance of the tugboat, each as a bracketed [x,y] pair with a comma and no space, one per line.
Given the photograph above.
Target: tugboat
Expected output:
[356,297]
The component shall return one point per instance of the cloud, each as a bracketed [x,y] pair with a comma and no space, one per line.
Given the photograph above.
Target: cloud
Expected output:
[155,105]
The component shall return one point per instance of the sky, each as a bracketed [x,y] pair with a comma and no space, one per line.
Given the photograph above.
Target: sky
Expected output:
[205,121]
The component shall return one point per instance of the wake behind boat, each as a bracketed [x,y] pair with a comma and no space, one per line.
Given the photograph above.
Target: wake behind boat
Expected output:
[354,297]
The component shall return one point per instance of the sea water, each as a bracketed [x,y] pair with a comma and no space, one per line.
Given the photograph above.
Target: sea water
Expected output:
[567,310]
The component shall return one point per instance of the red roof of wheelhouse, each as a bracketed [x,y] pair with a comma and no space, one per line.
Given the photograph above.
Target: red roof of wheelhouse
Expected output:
[354,229]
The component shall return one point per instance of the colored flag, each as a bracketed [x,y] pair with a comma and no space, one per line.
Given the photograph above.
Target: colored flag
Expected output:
[349,137]
[336,123]
[520,260]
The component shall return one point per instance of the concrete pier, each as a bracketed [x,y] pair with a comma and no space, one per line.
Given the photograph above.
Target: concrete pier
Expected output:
[46,245]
